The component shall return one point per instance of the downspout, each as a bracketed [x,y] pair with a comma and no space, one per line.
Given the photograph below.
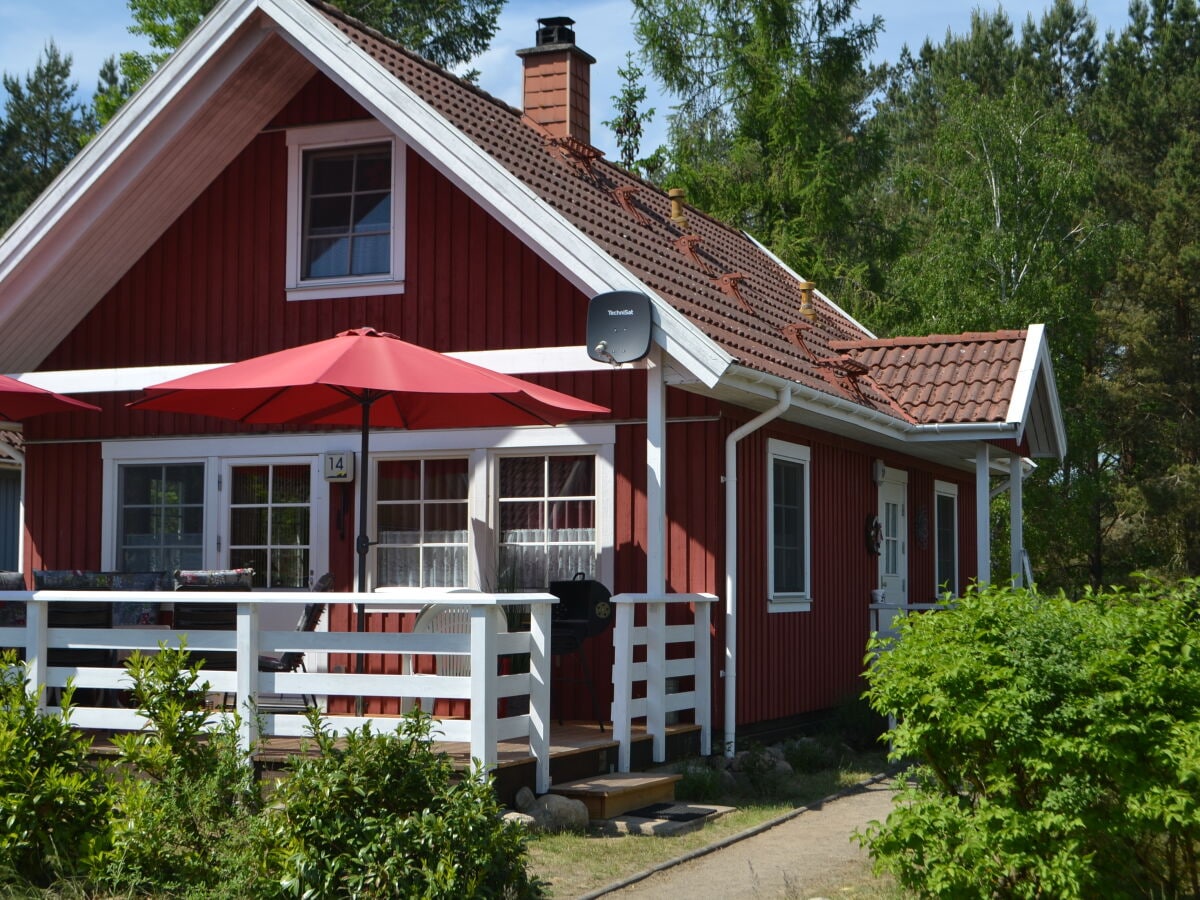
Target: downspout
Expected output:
[731,559]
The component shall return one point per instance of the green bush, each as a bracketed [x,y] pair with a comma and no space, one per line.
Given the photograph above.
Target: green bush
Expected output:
[383,815]
[53,803]
[185,809]
[1057,745]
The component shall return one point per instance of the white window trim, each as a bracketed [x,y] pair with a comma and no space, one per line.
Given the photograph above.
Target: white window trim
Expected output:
[341,134]
[945,489]
[791,601]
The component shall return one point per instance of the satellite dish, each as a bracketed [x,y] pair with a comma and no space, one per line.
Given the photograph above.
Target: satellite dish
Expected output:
[618,327]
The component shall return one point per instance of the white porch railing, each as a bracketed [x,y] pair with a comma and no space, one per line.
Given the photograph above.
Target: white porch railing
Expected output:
[655,635]
[484,641]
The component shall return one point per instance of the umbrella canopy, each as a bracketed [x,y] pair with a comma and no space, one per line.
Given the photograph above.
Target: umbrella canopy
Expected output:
[366,378]
[20,401]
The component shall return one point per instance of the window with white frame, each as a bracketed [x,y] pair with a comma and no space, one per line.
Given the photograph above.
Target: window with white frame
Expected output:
[788,526]
[547,510]
[345,211]
[422,517]
[160,516]
[945,529]
[270,518]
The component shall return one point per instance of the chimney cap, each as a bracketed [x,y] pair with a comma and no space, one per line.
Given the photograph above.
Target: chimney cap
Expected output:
[555,30]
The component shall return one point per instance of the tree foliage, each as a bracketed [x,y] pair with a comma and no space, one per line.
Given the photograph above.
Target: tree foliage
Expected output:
[768,131]
[1056,742]
[630,120]
[448,33]
[42,130]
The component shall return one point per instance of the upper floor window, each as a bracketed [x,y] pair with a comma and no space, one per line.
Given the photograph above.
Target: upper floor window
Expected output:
[345,211]
[788,528]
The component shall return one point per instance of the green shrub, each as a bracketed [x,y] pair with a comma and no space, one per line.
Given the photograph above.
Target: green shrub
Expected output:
[185,808]
[811,754]
[700,782]
[382,815]
[1058,745]
[53,802]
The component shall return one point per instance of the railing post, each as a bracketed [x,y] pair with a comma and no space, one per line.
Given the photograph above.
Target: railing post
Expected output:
[702,656]
[483,683]
[539,692]
[656,677]
[622,682]
[37,618]
[247,674]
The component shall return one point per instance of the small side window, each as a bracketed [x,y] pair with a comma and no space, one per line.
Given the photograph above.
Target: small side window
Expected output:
[946,531]
[788,528]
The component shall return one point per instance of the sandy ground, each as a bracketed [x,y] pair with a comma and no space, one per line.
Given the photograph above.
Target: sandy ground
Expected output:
[801,856]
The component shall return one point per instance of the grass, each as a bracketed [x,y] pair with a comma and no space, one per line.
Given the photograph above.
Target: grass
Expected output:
[572,865]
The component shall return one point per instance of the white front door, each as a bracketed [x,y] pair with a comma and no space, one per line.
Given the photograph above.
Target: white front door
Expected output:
[893,551]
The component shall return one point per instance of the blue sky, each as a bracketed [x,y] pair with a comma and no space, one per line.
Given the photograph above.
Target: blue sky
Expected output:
[90,30]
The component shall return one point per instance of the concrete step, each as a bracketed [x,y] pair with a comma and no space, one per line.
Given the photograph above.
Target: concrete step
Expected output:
[611,795]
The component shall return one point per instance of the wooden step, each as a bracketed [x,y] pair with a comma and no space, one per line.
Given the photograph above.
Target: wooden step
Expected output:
[614,794]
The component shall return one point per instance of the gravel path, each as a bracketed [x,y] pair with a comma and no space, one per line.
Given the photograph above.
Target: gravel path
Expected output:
[809,852]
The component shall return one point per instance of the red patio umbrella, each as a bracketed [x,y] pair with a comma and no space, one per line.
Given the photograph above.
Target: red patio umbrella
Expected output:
[367,378]
[20,401]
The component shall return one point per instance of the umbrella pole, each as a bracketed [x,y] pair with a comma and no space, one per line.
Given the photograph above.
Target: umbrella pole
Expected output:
[363,544]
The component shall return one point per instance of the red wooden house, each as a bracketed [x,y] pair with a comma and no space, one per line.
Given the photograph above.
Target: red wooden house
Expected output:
[289,174]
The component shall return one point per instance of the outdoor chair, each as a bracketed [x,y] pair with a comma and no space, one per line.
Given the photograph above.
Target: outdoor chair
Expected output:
[442,619]
[583,611]
[211,616]
[292,660]
[12,612]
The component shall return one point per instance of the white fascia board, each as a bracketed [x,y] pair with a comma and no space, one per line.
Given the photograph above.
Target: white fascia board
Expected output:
[477,173]
[522,361]
[98,159]
[1037,369]
[779,262]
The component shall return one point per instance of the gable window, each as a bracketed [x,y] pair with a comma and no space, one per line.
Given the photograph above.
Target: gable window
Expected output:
[788,526]
[345,211]
[945,526]
[160,517]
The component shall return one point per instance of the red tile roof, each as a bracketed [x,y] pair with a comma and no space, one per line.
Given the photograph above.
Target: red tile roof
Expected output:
[966,378]
[739,296]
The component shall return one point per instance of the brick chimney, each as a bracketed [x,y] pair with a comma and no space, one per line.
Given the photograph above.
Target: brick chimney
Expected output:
[558,81]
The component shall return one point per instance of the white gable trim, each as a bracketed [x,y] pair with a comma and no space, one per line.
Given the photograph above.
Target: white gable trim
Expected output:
[153,104]
[1036,372]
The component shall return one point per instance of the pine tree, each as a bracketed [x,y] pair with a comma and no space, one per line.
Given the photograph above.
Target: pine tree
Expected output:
[43,128]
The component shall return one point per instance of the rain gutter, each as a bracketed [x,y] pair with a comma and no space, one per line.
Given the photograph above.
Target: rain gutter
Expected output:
[731,558]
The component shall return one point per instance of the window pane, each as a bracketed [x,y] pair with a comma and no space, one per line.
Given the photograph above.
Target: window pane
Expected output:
[291,484]
[564,562]
[445,567]
[789,514]
[445,523]
[947,527]
[372,213]
[399,567]
[250,484]
[446,479]
[327,257]
[571,514]
[522,476]
[521,522]
[289,526]
[248,526]
[374,169]
[399,479]
[330,173]
[160,516]
[289,568]
[400,523]
[329,216]
[572,476]
[523,568]
[347,192]
[369,255]
[256,559]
